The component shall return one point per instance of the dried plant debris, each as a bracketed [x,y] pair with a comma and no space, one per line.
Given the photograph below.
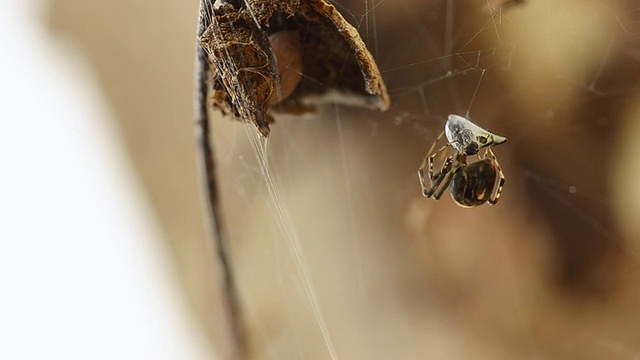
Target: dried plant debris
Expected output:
[287,56]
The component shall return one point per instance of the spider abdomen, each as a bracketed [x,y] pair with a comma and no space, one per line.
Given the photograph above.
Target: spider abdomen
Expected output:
[472,185]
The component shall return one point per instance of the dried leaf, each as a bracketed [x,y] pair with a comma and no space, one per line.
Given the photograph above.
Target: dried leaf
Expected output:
[335,63]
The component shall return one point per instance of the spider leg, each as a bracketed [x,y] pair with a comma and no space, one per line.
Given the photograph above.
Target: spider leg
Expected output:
[494,199]
[446,180]
[438,178]
[428,162]
[486,153]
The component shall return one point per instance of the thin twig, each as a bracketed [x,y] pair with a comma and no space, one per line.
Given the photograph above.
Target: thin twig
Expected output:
[211,189]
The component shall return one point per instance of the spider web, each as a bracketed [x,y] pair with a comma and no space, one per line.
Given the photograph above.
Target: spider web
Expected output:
[335,253]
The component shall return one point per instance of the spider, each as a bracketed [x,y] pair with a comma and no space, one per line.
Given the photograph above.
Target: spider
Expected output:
[472,184]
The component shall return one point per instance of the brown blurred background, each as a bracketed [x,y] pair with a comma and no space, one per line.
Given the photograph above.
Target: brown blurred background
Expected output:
[345,256]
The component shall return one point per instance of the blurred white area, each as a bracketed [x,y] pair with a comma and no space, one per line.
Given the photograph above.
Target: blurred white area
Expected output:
[83,274]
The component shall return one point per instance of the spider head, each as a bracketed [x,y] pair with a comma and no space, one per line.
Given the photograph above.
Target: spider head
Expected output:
[482,141]
[467,137]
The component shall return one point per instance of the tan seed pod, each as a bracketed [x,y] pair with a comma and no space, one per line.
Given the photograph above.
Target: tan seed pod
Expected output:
[286,48]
